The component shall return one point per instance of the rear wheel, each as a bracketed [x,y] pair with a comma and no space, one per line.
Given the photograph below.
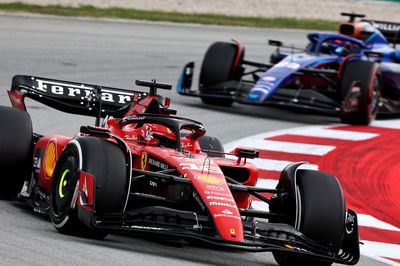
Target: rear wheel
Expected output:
[107,164]
[361,76]
[217,67]
[15,150]
[212,144]
[320,213]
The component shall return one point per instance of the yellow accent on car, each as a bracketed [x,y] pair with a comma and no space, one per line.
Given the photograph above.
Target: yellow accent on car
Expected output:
[289,246]
[143,161]
[50,159]
[62,184]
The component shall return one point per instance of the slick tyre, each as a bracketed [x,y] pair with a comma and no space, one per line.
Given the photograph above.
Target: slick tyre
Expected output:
[320,214]
[107,164]
[15,150]
[211,143]
[217,67]
[365,76]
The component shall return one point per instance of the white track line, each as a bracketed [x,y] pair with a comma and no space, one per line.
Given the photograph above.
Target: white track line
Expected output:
[395,124]
[289,147]
[381,249]
[370,221]
[334,134]
[276,165]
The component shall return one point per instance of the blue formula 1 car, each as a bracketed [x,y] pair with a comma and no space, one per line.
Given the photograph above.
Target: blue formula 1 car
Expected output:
[353,74]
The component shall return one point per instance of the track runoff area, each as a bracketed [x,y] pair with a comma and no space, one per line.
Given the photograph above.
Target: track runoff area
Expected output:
[365,159]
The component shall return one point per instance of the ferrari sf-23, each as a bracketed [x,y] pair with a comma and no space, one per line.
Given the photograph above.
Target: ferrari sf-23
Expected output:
[354,74]
[141,169]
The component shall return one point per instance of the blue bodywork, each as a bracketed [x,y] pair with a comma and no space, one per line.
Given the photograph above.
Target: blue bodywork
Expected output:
[312,77]
[326,49]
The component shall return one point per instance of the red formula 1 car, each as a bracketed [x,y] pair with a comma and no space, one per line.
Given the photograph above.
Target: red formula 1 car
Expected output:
[142,169]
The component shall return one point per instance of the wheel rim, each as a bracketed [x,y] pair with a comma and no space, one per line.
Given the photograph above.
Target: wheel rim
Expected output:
[374,96]
[65,187]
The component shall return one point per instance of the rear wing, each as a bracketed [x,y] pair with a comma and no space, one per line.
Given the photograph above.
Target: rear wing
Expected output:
[390,30]
[73,97]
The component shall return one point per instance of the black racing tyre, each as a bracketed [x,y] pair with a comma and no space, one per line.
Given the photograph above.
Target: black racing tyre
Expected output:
[320,216]
[217,67]
[211,143]
[103,160]
[15,150]
[366,74]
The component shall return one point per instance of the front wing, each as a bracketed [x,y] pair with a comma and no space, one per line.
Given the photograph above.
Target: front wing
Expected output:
[308,99]
[259,236]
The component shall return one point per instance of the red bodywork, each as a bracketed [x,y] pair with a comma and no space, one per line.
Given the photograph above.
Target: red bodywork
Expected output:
[204,172]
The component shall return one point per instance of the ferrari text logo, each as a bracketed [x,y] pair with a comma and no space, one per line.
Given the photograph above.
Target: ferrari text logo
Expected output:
[65,89]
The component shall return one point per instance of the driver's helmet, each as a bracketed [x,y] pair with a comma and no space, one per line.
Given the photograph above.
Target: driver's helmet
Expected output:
[366,31]
[158,135]
[337,46]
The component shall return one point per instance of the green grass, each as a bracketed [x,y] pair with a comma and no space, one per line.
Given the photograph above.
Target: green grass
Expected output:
[130,13]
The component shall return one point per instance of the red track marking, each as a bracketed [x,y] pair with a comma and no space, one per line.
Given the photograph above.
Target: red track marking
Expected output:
[369,173]
[286,156]
[398,261]
[379,235]
[308,140]
[368,170]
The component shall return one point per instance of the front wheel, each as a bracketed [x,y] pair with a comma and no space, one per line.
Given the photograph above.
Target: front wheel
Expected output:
[218,66]
[319,213]
[99,158]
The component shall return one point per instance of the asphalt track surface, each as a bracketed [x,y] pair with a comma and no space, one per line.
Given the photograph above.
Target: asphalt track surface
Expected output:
[115,53]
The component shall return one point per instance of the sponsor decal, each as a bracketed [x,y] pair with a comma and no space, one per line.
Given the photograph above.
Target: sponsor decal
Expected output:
[130,137]
[226,211]
[37,159]
[386,26]
[269,78]
[217,193]
[214,203]
[157,163]
[227,216]
[50,158]
[209,179]
[143,227]
[143,161]
[290,65]
[220,198]
[217,188]
[195,166]
[66,90]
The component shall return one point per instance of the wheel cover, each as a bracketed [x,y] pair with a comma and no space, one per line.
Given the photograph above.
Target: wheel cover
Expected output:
[65,187]
[374,105]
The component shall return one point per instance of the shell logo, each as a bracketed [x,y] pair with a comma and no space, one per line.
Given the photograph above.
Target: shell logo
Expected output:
[50,159]
[209,179]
